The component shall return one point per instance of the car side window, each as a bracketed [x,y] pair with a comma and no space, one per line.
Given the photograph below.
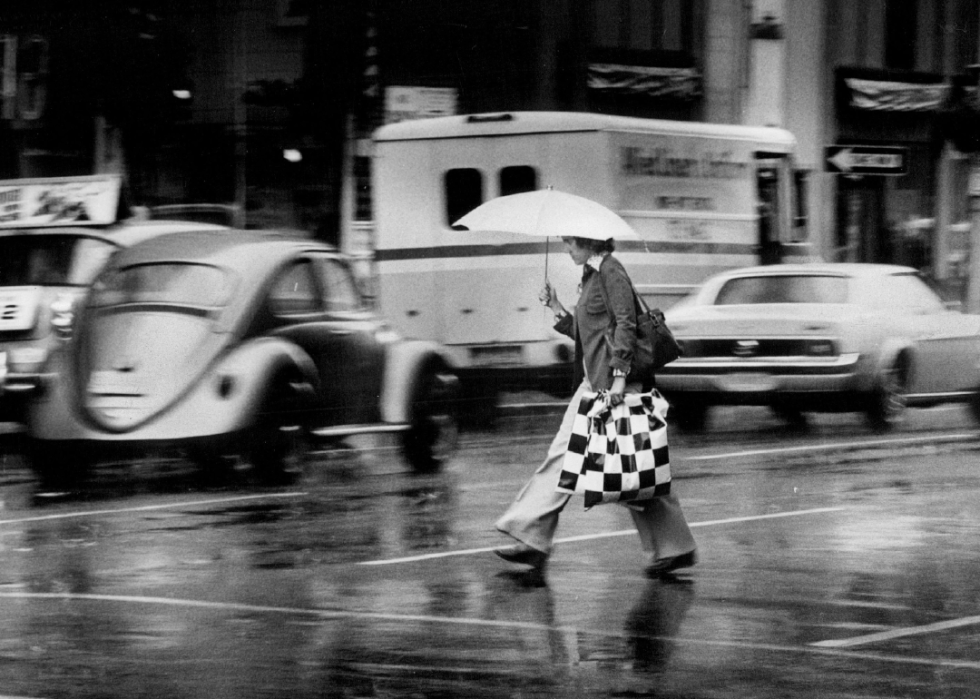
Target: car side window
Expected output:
[295,292]
[339,289]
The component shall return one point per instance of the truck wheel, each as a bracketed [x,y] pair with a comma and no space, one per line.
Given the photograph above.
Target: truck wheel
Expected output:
[689,416]
[478,402]
[434,431]
[213,463]
[278,444]
[886,403]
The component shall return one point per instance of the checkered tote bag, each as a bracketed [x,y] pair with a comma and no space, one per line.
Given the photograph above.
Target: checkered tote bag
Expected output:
[617,454]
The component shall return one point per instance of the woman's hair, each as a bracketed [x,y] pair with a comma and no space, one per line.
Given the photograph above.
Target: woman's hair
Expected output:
[596,246]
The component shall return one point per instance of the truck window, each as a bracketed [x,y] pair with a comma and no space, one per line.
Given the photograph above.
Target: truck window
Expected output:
[515,179]
[464,192]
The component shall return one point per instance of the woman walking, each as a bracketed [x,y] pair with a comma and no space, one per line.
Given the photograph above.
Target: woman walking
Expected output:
[600,365]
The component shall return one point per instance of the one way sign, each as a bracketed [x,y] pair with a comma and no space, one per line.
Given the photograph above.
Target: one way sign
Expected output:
[866,160]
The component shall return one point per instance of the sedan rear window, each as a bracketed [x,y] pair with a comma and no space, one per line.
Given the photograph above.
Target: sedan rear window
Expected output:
[51,260]
[179,284]
[771,288]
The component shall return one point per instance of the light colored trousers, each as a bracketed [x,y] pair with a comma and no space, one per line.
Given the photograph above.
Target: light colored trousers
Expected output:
[533,516]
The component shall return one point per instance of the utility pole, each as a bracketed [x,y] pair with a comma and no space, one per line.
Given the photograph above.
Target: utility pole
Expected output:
[973,283]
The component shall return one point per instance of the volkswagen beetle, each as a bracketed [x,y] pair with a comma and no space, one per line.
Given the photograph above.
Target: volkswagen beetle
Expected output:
[232,344]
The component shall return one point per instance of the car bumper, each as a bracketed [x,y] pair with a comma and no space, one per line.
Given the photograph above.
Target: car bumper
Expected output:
[762,381]
[16,385]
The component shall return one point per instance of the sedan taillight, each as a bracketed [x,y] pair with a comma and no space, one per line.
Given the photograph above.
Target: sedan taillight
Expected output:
[821,348]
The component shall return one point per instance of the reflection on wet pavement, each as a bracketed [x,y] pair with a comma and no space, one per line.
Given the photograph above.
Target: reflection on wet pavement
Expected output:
[162,589]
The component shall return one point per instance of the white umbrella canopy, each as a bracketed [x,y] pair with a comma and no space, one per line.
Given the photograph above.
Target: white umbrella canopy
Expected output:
[547,212]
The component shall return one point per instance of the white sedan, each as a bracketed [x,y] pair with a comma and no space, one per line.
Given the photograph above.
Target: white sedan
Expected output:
[820,337]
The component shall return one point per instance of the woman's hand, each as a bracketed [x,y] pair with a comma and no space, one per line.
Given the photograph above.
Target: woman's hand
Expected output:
[549,297]
[617,390]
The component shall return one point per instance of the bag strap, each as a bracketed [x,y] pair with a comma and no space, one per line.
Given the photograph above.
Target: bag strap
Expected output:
[636,296]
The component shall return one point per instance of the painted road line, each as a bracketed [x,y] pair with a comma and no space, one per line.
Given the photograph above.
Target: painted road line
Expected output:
[898,633]
[150,508]
[839,445]
[331,615]
[601,535]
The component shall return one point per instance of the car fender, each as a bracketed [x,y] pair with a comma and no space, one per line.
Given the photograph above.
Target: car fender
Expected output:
[886,355]
[251,368]
[404,364]
[202,412]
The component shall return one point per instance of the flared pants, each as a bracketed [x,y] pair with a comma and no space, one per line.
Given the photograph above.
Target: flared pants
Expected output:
[533,516]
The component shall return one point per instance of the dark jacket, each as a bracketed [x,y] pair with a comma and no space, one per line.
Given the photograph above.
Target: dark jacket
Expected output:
[604,337]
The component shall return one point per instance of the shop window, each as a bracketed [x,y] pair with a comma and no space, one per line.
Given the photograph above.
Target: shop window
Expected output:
[463,192]
[515,179]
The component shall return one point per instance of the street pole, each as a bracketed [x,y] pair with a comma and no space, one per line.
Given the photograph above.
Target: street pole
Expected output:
[973,285]
[973,191]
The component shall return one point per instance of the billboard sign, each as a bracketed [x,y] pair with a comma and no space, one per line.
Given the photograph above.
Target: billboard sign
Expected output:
[59,201]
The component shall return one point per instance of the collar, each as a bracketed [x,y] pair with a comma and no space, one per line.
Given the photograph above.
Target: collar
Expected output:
[596,260]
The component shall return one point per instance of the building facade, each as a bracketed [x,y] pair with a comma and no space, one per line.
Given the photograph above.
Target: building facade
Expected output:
[269,104]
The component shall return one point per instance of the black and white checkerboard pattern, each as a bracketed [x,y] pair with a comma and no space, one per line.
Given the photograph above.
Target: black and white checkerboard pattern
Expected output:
[618,454]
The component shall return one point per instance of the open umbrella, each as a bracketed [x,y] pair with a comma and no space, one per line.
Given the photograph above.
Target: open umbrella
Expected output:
[547,212]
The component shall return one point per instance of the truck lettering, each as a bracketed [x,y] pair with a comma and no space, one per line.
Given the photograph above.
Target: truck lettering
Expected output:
[9,196]
[659,162]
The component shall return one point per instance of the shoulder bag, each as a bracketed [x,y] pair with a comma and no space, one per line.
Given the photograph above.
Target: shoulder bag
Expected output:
[656,346]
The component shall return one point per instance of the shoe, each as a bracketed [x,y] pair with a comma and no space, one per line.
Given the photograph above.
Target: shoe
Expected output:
[663,566]
[524,554]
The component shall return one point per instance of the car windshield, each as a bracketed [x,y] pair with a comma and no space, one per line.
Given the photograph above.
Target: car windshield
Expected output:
[51,260]
[183,284]
[783,288]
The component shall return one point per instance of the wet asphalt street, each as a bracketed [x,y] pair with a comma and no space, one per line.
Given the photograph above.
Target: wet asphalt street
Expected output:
[833,562]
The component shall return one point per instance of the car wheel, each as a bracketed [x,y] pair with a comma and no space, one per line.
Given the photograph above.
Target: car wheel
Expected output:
[689,416]
[434,431]
[886,404]
[975,406]
[278,444]
[57,469]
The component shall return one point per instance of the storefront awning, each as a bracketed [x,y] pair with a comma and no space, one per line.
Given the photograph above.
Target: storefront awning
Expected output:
[650,81]
[889,96]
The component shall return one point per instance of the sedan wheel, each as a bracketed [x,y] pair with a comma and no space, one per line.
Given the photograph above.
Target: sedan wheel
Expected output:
[434,432]
[975,406]
[887,400]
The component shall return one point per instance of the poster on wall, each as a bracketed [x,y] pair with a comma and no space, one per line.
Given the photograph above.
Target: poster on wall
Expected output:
[404,103]
[59,201]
